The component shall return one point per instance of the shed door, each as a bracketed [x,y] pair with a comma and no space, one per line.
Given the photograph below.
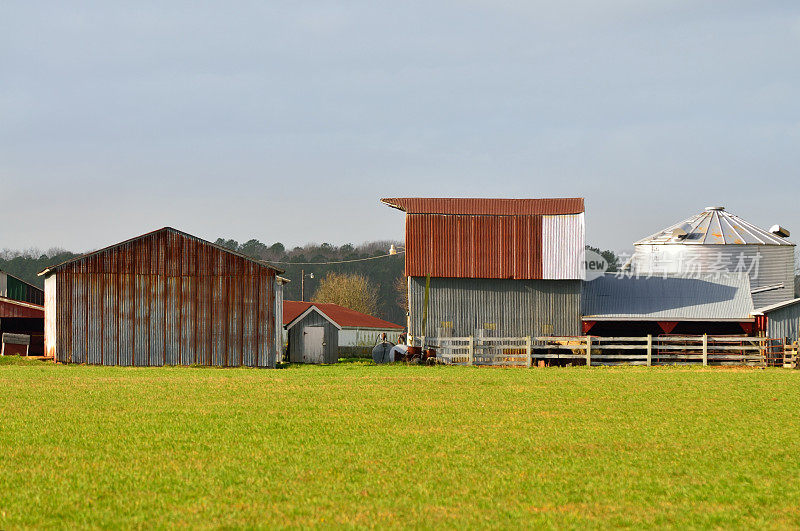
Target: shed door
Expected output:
[313,344]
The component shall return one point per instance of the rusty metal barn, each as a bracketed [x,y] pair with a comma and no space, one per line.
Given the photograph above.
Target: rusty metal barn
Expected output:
[493,267]
[163,298]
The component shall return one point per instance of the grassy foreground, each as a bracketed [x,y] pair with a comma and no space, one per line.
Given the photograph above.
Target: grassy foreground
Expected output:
[362,445]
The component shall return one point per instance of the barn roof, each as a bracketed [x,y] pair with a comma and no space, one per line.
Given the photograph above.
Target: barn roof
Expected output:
[338,315]
[57,267]
[673,298]
[486,206]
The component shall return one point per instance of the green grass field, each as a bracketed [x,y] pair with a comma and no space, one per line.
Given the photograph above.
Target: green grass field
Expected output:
[362,445]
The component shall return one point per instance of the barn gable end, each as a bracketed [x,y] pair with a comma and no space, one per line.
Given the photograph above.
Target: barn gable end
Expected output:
[164,298]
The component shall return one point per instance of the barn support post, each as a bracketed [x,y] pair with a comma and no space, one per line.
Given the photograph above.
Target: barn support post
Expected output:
[649,350]
[588,351]
[471,350]
[528,357]
[705,350]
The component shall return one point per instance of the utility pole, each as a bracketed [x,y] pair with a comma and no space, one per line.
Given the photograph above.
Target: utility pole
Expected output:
[303,283]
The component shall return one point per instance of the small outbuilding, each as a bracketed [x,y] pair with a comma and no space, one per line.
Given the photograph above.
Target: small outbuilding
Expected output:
[163,298]
[780,321]
[321,333]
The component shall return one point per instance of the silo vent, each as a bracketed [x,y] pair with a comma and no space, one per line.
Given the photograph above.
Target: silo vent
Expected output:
[708,209]
[681,231]
[777,230]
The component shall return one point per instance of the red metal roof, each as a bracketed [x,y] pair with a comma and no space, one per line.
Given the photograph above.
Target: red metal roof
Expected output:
[344,317]
[486,206]
[12,308]
[493,238]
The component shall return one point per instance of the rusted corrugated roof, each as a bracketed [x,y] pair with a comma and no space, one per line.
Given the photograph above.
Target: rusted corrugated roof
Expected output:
[147,235]
[487,206]
[11,308]
[344,317]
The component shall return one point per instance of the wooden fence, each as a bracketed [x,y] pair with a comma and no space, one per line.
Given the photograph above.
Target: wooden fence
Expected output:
[593,350]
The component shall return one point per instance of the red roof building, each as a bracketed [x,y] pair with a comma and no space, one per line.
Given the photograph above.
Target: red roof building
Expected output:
[322,333]
[343,317]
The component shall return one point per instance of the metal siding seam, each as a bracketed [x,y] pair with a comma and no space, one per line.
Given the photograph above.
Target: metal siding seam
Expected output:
[234,321]
[78,318]
[271,331]
[247,318]
[261,352]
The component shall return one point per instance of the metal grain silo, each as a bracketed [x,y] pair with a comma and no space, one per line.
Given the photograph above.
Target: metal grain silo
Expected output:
[716,241]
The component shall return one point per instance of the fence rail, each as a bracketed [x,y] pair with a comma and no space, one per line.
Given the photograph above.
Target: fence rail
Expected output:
[593,350]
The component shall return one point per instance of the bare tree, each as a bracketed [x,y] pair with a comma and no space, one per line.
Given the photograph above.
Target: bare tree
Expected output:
[401,288]
[352,290]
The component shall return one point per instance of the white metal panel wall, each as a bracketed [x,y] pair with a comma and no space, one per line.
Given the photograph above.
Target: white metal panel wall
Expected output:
[358,337]
[279,332]
[50,321]
[563,247]
[3,284]
[766,265]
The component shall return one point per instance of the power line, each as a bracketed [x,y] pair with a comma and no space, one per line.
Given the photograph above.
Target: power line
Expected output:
[337,262]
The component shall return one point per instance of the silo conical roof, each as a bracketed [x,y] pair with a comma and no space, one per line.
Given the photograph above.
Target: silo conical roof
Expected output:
[714,226]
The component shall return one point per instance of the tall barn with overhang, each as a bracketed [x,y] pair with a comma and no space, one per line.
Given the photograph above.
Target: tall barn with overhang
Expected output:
[163,298]
[716,241]
[322,332]
[493,267]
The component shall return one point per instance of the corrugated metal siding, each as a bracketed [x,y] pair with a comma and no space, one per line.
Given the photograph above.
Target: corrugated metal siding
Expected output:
[775,264]
[784,323]
[474,246]
[563,247]
[487,206]
[296,339]
[723,297]
[168,299]
[513,307]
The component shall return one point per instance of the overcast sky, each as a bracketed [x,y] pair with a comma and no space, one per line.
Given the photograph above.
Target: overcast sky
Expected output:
[287,121]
